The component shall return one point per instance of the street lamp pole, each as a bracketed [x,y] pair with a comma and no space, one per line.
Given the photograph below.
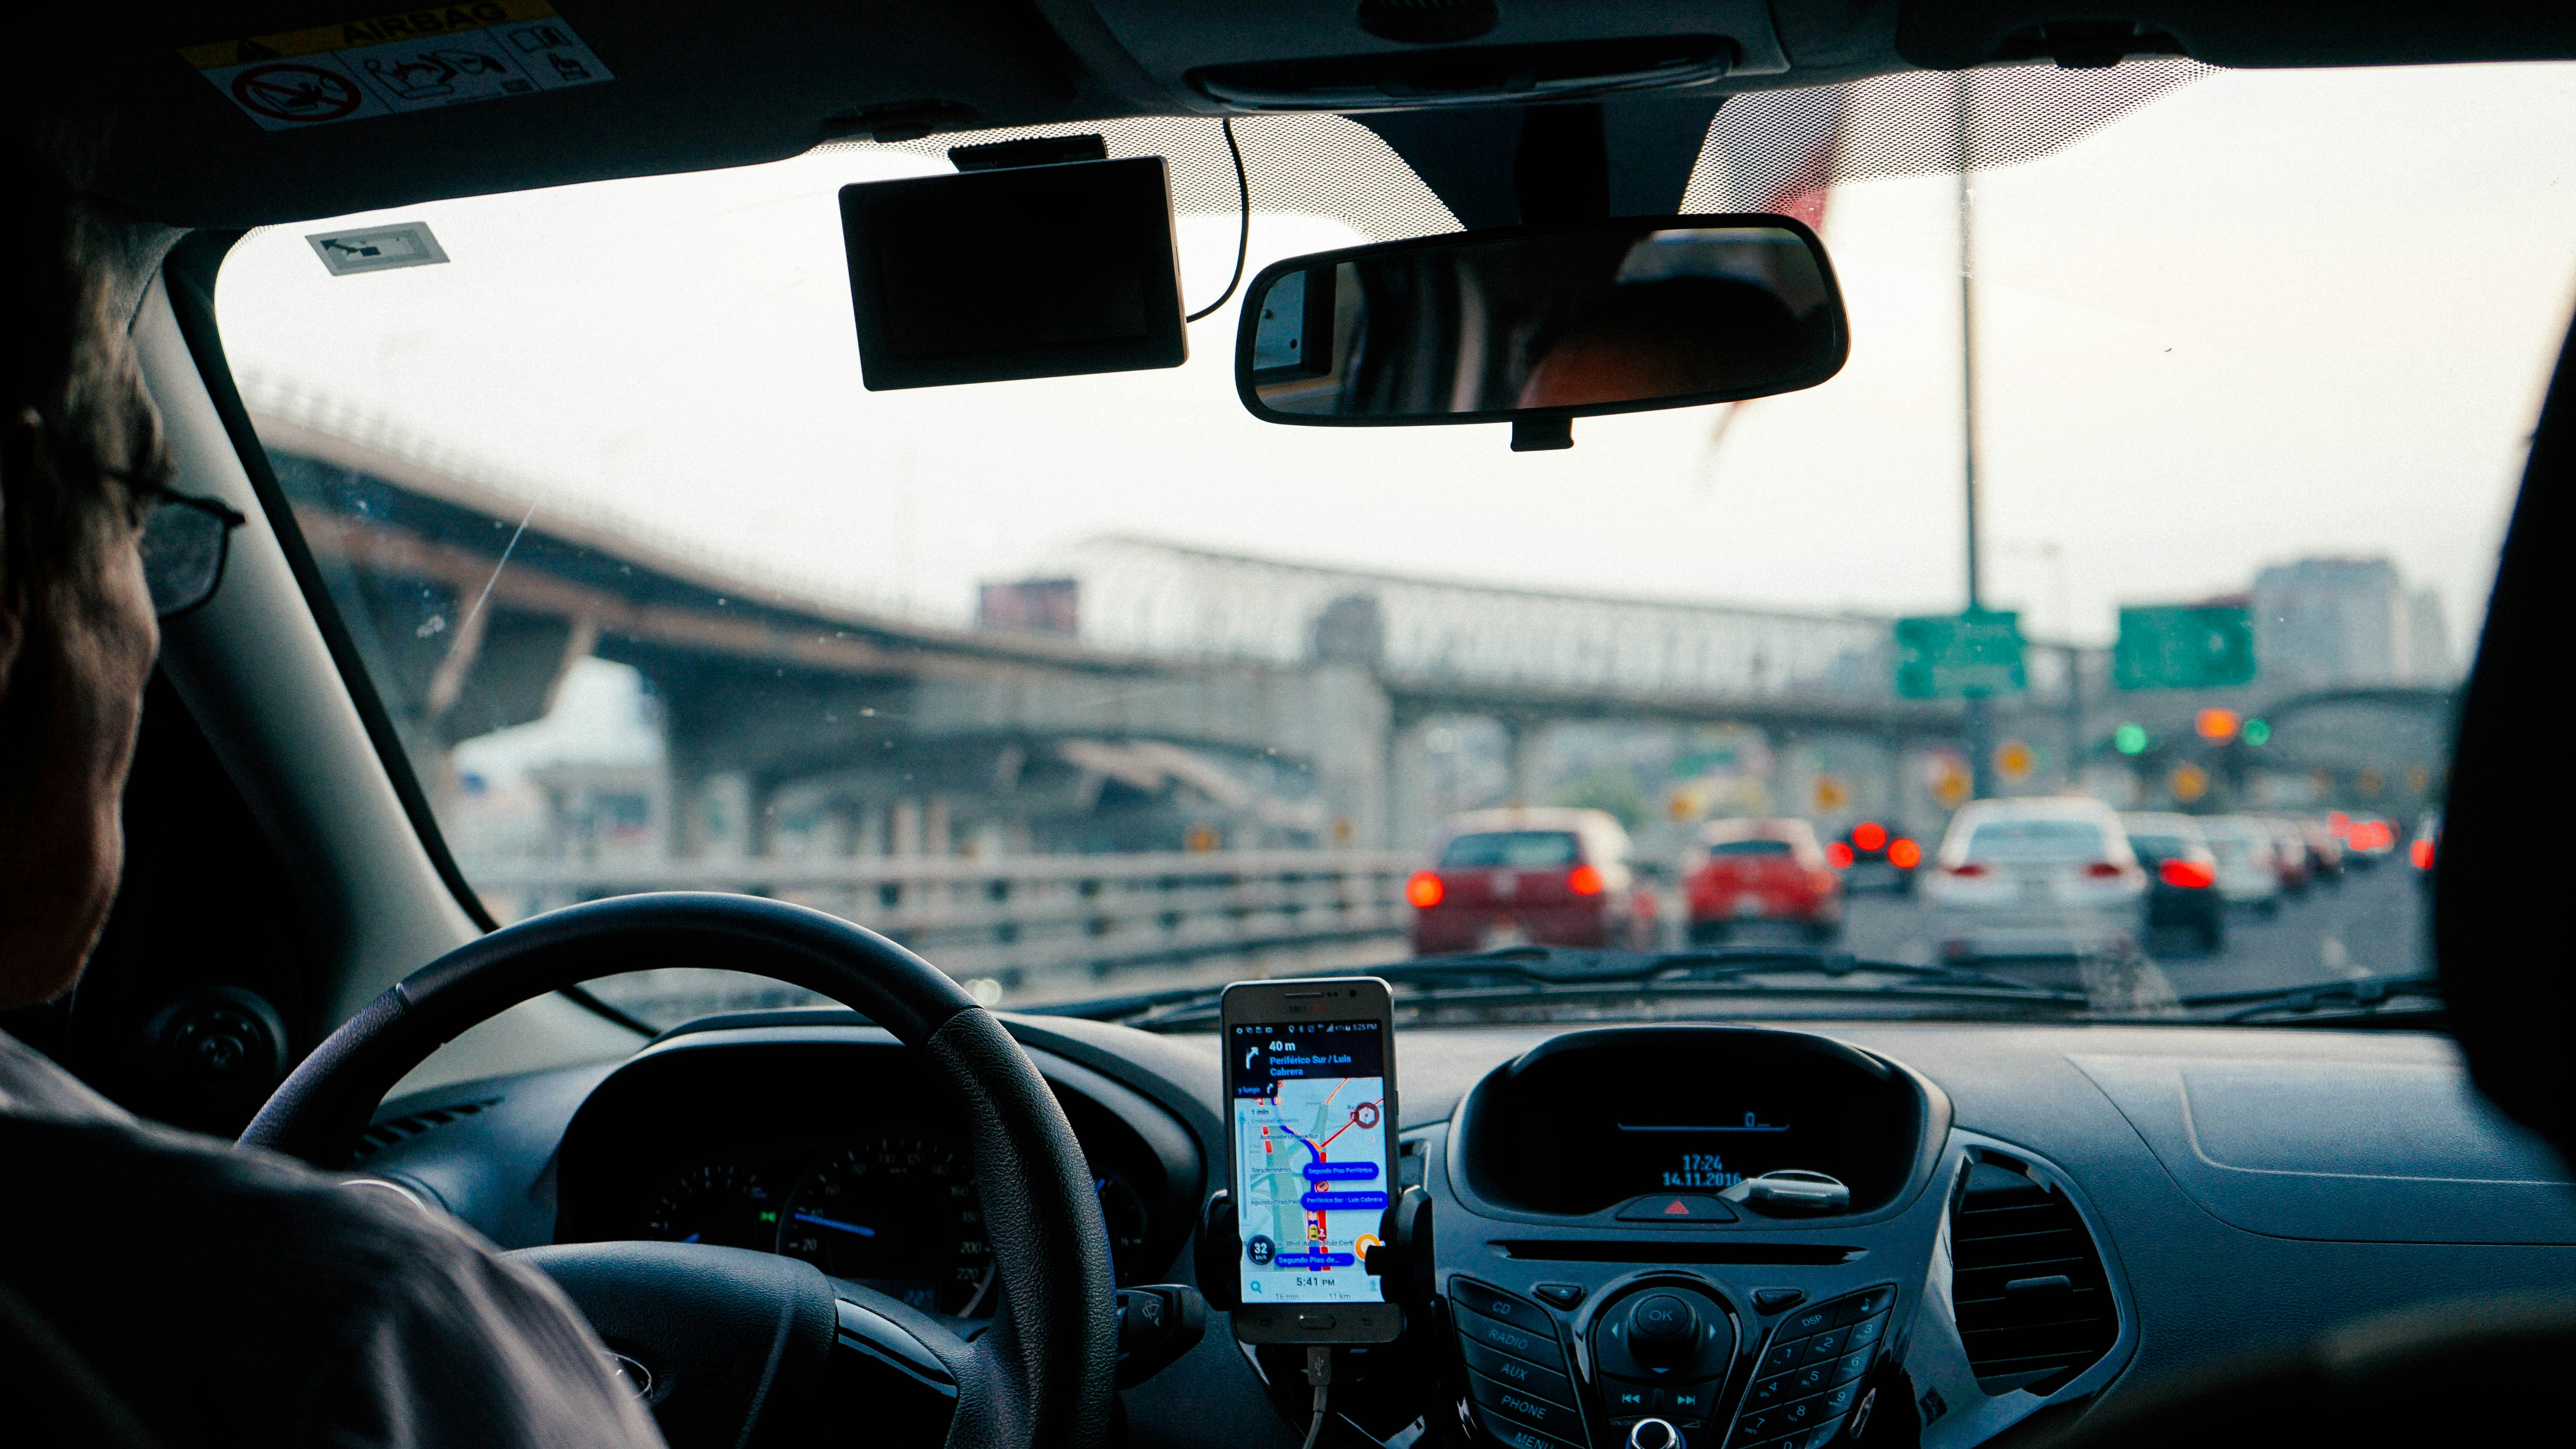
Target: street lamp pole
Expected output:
[1981,719]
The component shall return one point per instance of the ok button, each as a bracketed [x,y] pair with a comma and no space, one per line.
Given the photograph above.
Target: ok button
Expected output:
[1662,1316]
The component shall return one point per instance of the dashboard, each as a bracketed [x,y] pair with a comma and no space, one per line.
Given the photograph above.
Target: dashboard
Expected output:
[2036,1221]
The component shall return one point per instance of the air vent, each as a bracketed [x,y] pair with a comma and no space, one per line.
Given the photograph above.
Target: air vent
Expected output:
[411,1124]
[2026,1279]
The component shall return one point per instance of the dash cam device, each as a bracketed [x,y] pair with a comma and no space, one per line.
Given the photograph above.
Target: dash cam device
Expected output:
[1026,271]
[1311,1124]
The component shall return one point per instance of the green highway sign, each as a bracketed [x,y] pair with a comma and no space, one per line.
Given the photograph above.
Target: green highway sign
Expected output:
[2183,648]
[1955,656]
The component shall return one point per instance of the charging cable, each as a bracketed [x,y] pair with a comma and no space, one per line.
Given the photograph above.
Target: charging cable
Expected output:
[1319,1372]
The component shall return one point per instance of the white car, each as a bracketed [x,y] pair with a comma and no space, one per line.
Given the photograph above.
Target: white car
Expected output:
[2041,877]
[2249,864]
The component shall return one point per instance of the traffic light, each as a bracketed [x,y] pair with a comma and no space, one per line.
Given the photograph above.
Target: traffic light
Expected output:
[2216,724]
[2130,739]
[2257,732]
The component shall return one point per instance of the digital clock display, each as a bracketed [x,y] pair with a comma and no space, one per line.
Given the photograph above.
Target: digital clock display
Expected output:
[1711,1154]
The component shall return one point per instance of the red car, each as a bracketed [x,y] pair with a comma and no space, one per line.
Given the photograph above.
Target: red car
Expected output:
[1762,870]
[1542,877]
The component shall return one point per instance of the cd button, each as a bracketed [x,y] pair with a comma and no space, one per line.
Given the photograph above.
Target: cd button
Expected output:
[1784,1354]
[1766,1392]
[1866,1332]
[1496,1305]
[1851,1365]
[1627,1398]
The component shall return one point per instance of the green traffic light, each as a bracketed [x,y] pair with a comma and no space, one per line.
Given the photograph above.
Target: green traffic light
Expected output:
[2130,739]
[2257,731]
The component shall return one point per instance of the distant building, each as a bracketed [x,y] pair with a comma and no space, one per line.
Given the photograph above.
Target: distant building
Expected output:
[2325,623]
[2428,641]
[1030,606]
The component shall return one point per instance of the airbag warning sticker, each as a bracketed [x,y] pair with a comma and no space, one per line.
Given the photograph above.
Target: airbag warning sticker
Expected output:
[445,56]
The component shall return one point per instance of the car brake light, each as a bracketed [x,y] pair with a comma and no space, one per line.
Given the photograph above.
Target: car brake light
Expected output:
[2101,869]
[1869,835]
[1584,880]
[1904,854]
[1838,855]
[1426,889]
[2188,875]
[2338,825]
[1821,882]
[2421,852]
[1970,868]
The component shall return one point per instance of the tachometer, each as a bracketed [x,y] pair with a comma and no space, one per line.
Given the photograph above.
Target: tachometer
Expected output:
[897,1214]
[714,1202]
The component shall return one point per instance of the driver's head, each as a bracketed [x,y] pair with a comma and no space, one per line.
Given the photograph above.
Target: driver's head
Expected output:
[77,634]
[1669,338]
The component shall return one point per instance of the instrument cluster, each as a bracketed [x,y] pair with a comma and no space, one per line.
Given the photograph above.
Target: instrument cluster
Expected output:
[817,1144]
[893,1210]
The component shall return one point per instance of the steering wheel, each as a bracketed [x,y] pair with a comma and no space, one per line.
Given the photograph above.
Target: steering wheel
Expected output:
[741,1346]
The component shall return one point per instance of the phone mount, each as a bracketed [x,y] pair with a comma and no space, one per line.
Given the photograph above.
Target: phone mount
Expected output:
[1401,1259]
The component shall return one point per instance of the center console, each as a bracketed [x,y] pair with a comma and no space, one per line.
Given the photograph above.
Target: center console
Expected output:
[1713,1237]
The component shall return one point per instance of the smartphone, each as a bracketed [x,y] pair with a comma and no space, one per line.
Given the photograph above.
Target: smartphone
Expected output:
[1311,1124]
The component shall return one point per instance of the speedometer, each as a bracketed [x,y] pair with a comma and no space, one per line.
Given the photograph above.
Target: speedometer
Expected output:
[898,1214]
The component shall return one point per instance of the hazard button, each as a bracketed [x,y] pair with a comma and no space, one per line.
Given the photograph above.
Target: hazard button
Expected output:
[1676,1207]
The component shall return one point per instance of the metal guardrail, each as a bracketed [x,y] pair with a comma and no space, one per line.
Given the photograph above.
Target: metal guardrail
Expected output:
[1034,926]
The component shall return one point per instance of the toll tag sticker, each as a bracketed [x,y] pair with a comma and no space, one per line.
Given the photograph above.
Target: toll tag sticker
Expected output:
[449,55]
[378,249]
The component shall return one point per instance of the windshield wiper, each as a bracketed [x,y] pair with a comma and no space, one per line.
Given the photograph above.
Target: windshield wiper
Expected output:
[1521,971]
[2363,994]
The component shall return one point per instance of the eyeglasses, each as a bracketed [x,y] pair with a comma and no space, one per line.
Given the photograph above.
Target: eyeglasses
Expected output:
[184,543]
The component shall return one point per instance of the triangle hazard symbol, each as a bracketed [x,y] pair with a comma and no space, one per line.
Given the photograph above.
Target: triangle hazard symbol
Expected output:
[1677,1209]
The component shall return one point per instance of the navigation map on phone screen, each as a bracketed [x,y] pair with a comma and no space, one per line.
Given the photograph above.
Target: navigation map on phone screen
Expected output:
[1310,1138]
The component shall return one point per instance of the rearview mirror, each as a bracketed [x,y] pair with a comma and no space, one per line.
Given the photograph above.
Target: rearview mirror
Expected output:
[1536,326]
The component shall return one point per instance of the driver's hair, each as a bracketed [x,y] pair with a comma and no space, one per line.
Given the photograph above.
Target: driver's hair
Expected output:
[63,357]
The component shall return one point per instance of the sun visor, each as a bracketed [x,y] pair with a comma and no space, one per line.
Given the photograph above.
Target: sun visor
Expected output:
[1031,271]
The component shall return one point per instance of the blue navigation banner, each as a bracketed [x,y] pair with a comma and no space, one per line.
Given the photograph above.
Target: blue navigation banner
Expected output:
[1341,1172]
[1316,1260]
[1334,1202]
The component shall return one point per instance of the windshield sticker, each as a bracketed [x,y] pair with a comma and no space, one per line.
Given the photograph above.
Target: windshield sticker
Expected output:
[378,248]
[418,60]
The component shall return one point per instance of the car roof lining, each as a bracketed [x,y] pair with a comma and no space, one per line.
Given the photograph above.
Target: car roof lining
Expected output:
[702,87]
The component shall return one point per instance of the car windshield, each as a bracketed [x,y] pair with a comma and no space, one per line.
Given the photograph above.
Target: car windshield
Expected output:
[1517,849]
[1101,684]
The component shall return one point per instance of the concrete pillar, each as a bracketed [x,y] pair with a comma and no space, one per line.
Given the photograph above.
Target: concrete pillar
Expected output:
[1412,814]
[720,823]
[1526,741]
[906,833]
[936,836]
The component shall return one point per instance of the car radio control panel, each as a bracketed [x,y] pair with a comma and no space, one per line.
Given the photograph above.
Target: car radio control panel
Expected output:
[1667,1347]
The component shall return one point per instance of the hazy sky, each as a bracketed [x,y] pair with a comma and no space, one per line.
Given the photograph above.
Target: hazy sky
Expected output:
[2270,315]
